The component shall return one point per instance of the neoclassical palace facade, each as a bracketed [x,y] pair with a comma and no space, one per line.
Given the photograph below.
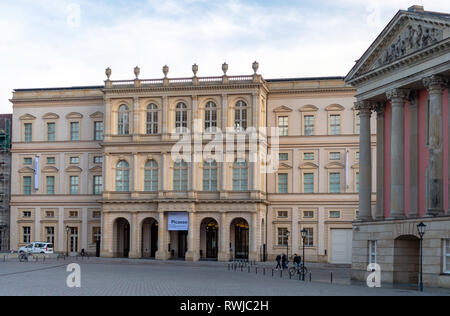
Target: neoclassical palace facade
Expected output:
[94,168]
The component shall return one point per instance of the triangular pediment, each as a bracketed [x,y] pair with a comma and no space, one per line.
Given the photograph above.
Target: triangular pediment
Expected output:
[96,115]
[334,165]
[284,166]
[27,117]
[74,115]
[26,170]
[282,108]
[408,33]
[309,108]
[96,169]
[51,116]
[308,165]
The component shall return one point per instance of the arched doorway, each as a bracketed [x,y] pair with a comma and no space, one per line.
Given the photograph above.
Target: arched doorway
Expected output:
[406,259]
[240,238]
[149,238]
[209,238]
[122,237]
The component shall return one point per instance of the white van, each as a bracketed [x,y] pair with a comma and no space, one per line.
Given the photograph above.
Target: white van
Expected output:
[37,247]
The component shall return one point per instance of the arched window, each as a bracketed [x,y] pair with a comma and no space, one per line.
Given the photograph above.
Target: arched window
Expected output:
[180,176]
[151,176]
[123,176]
[152,119]
[181,118]
[210,117]
[240,116]
[123,124]
[240,175]
[210,175]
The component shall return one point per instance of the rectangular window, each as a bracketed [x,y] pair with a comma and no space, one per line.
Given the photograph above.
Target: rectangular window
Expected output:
[308,156]
[335,124]
[446,254]
[209,178]
[73,214]
[27,185]
[98,185]
[335,156]
[74,182]
[357,182]
[96,214]
[96,234]
[51,185]
[282,237]
[74,160]
[283,157]
[283,214]
[26,214]
[49,214]
[308,214]
[28,161]
[283,183]
[309,125]
[26,234]
[335,182]
[335,214]
[98,160]
[28,128]
[309,240]
[50,160]
[51,132]
[98,131]
[283,126]
[308,183]
[372,252]
[74,131]
[357,156]
[50,234]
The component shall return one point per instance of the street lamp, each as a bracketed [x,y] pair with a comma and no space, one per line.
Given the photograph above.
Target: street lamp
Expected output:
[67,233]
[288,233]
[421,229]
[304,232]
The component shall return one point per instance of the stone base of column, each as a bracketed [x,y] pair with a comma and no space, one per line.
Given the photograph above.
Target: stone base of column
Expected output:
[134,255]
[106,254]
[162,255]
[192,256]
[380,218]
[253,256]
[224,256]
[394,216]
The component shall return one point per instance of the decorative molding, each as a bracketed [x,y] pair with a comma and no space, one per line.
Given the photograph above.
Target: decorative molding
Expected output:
[50,169]
[282,109]
[97,115]
[397,94]
[435,83]
[27,117]
[26,170]
[50,116]
[335,107]
[309,108]
[335,165]
[73,169]
[308,165]
[74,115]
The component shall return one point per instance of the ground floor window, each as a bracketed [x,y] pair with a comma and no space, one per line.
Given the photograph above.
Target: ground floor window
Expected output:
[282,236]
[50,234]
[372,252]
[26,234]
[309,240]
[446,256]
[96,234]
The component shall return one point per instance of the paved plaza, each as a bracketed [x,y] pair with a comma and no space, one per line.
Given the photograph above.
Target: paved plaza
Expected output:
[122,277]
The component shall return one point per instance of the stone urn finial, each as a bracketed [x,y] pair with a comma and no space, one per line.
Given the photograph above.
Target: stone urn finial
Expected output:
[137,71]
[108,73]
[195,69]
[165,71]
[225,68]
[255,67]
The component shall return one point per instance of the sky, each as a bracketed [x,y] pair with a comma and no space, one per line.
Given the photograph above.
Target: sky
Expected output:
[61,43]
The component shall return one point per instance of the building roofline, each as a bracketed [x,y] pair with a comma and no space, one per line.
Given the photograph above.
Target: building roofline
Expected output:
[306,79]
[59,88]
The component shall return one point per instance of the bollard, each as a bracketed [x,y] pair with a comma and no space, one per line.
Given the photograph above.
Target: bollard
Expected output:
[272,272]
[310,277]
[331,277]
[281,274]
[264,271]
[256,270]
[290,276]
[249,269]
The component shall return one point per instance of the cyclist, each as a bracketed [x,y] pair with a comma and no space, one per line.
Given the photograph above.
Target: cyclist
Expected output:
[297,261]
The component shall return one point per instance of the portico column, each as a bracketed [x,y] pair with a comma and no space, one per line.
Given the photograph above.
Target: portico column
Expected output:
[224,239]
[163,252]
[435,182]
[397,98]
[365,162]
[193,253]
[380,161]
[253,254]
[413,154]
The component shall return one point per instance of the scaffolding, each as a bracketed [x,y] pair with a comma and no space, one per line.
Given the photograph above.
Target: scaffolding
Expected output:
[5,178]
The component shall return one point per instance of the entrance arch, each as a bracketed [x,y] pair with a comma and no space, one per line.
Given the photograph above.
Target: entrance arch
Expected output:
[121,237]
[209,238]
[406,259]
[149,240]
[239,238]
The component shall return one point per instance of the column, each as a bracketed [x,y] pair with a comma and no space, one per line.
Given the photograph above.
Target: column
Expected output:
[224,239]
[193,253]
[435,182]
[163,252]
[414,154]
[134,238]
[380,161]
[84,229]
[224,113]
[295,236]
[365,162]
[253,253]
[397,98]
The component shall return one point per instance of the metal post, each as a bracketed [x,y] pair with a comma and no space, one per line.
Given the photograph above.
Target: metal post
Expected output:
[421,265]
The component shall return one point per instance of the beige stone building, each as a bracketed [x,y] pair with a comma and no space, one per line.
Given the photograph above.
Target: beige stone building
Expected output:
[105,169]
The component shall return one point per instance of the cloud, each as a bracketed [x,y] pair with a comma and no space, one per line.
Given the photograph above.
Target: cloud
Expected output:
[290,38]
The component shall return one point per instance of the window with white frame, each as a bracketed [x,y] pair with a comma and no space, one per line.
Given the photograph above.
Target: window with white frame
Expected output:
[210,117]
[308,156]
[152,119]
[74,185]
[282,183]
[240,116]
[335,124]
[50,234]
[50,185]
[309,240]
[74,131]
[51,132]
[335,156]
[51,160]
[26,234]
[123,120]
[28,161]
[335,214]
[446,253]
[151,176]
[283,157]
[98,130]
[308,182]
[309,125]
[283,125]
[122,176]
[28,132]
[240,176]
[181,121]
[27,185]
[372,251]
[282,236]
[308,214]
[283,214]
[180,176]
[335,182]
[210,175]
[98,185]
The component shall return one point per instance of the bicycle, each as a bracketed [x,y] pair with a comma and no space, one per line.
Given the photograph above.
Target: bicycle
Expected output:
[23,257]
[294,270]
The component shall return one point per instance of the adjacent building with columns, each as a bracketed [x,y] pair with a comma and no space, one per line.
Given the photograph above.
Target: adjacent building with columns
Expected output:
[402,80]
[95,163]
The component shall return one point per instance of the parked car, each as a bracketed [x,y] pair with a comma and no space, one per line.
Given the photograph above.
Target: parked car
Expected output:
[37,247]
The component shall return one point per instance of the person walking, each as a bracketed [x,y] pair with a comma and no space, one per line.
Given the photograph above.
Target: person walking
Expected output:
[297,261]
[278,262]
[284,261]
